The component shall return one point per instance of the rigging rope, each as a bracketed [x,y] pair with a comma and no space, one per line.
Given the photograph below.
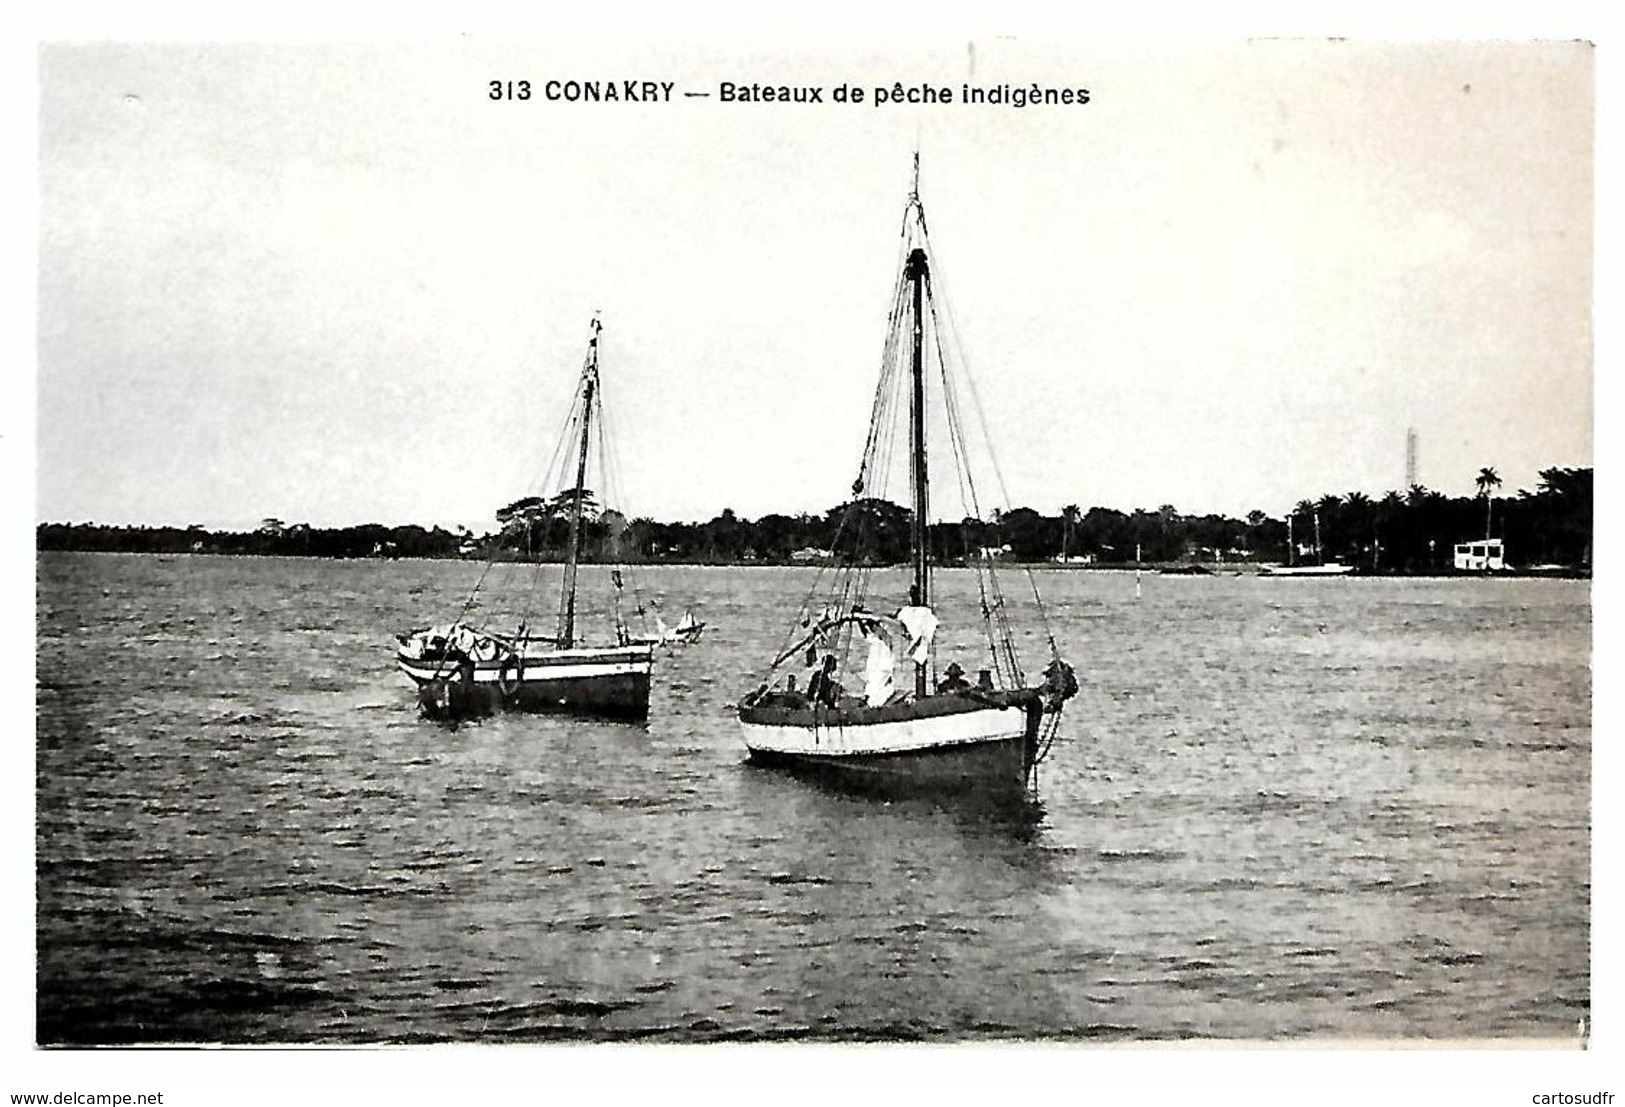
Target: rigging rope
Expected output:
[851,588]
[981,418]
[847,569]
[980,562]
[491,553]
[571,429]
[609,472]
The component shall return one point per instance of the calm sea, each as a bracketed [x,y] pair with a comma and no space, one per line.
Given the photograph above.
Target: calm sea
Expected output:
[1279,809]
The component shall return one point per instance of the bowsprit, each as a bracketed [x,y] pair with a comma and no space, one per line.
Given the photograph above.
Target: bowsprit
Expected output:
[593,92]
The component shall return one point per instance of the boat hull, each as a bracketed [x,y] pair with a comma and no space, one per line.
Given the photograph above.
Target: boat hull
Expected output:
[943,744]
[610,682]
[987,767]
[1329,570]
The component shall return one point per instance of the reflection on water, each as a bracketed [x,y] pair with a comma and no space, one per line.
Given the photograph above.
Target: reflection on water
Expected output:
[993,816]
[1278,809]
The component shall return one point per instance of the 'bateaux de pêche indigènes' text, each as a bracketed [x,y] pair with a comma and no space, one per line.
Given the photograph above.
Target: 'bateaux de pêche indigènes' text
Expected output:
[729,92]
[1016,96]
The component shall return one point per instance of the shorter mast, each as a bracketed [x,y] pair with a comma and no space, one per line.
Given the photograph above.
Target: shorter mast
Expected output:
[567,597]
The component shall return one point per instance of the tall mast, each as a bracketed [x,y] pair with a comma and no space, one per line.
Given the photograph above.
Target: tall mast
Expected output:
[917,272]
[922,576]
[567,600]
[916,421]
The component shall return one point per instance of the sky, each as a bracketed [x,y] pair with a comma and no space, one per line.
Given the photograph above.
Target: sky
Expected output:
[338,284]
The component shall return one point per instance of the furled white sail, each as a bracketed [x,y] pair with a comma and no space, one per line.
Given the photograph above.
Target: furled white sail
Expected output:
[878,669]
[921,624]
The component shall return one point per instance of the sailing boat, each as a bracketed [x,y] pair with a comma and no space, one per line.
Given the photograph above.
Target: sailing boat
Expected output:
[689,628]
[685,633]
[938,734]
[1320,568]
[463,670]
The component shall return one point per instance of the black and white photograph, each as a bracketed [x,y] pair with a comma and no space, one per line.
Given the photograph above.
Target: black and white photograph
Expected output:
[982,547]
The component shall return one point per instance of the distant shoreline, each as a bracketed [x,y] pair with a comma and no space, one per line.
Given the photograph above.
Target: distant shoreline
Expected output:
[1417,533]
[1147,569]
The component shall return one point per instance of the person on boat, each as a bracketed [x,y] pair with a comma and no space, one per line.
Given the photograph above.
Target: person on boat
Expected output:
[953,679]
[788,697]
[823,689]
[1060,683]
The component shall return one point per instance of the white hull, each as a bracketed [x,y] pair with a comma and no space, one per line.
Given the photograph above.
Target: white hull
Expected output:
[539,668]
[1331,569]
[833,738]
[610,680]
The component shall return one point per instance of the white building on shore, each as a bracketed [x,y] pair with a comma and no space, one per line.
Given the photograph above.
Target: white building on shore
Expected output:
[1481,556]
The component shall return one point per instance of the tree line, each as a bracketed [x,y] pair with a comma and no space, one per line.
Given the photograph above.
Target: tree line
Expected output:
[298,540]
[1410,531]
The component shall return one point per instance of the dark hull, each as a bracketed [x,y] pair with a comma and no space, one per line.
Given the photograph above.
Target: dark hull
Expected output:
[610,696]
[991,768]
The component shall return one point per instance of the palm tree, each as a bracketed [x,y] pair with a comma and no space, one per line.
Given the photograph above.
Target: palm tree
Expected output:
[1329,508]
[1070,514]
[1390,518]
[1357,515]
[1169,514]
[1303,508]
[1487,479]
[1255,519]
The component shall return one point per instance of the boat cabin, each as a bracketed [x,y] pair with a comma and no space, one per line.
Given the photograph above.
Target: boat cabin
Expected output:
[1480,556]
